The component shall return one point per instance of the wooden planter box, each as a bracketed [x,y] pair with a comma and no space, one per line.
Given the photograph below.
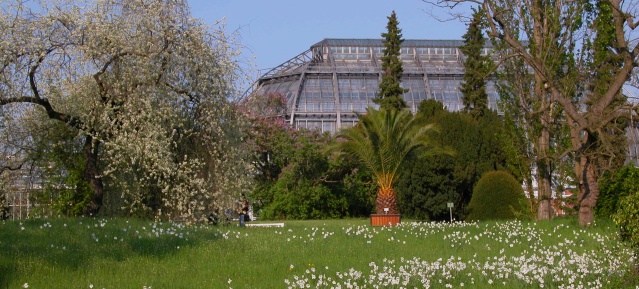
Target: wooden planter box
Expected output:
[385,219]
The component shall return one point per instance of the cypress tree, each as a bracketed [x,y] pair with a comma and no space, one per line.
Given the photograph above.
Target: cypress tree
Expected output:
[390,92]
[476,66]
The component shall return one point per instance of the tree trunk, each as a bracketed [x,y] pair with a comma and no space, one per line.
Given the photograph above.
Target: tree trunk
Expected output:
[544,163]
[586,174]
[544,175]
[386,198]
[90,175]
[588,192]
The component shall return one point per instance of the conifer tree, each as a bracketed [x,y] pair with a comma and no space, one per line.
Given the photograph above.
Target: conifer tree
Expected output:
[390,92]
[476,67]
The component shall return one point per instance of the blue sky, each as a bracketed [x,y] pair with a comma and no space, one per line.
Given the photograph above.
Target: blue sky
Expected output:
[274,31]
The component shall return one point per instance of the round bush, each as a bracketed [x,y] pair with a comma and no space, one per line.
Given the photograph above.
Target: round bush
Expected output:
[497,195]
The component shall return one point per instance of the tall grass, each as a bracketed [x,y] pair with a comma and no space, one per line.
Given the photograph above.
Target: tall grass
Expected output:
[129,253]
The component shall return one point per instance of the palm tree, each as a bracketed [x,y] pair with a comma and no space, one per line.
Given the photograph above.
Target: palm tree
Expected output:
[381,141]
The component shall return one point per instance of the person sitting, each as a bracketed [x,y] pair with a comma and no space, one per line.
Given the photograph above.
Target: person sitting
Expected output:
[245,213]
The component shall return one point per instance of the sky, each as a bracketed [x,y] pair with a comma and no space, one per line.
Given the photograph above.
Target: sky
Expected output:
[274,31]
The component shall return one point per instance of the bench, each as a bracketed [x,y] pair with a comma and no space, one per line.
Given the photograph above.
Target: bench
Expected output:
[265,225]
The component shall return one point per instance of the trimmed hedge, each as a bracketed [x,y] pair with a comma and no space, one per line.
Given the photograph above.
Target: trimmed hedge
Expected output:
[497,195]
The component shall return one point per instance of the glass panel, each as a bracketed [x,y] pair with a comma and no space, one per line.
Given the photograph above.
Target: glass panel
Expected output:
[347,124]
[358,84]
[327,94]
[328,106]
[328,126]
[360,90]
[311,83]
[284,87]
[261,90]
[313,106]
[359,107]
[317,125]
[289,95]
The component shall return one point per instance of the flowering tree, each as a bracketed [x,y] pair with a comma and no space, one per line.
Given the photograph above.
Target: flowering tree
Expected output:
[269,137]
[148,89]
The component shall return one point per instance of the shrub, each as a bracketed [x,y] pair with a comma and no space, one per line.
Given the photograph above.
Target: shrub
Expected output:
[626,217]
[623,183]
[497,195]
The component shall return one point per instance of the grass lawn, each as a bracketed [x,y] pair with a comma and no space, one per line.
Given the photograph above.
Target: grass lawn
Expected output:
[129,253]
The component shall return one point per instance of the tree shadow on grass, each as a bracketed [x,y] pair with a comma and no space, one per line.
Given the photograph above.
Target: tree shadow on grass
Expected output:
[76,243]
[7,272]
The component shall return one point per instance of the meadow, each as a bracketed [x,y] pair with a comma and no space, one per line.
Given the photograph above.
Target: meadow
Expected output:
[131,253]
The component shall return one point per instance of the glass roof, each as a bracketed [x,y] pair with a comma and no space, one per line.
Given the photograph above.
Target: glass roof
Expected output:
[336,78]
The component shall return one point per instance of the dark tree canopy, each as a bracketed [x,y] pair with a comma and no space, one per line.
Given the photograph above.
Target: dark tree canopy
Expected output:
[427,185]
[390,91]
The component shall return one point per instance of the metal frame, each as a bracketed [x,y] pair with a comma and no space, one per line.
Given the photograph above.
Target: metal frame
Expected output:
[320,60]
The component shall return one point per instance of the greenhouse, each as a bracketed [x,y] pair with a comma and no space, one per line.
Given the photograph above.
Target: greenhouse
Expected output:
[327,85]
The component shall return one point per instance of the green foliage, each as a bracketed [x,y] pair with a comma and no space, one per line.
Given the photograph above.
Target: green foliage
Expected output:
[4,204]
[57,152]
[69,201]
[294,180]
[270,138]
[425,188]
[497,195]
[626,217]
[610,142]
[357,185]
[428,108]
[477,67]
[382,141]
[616,187]
[390,92]
[311,185]
[428,184]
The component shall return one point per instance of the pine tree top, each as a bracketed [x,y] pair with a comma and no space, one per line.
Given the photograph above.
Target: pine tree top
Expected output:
[390,91]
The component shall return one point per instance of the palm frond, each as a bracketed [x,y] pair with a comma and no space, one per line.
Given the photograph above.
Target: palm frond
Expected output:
[383,139]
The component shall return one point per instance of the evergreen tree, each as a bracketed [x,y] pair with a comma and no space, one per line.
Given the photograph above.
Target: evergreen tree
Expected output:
[390,91]
[476,67]
[427,184]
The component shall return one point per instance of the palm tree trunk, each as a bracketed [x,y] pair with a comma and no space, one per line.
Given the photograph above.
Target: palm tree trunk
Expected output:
[386,198]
